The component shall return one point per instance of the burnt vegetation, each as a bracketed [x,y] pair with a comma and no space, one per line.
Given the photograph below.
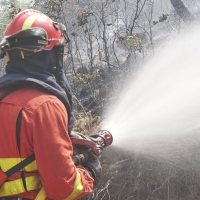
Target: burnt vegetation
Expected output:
[110,40]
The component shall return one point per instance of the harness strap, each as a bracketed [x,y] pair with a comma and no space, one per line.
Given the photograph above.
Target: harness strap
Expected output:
[18,128]
[29,159]
[20,165]
[16,168]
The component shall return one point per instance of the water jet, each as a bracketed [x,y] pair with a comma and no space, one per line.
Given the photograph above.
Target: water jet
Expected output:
[159,112]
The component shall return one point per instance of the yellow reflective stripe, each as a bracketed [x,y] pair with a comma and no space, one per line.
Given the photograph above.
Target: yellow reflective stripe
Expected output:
[7,163]
[16,186]
[78,188]
[30,20]
[41,195]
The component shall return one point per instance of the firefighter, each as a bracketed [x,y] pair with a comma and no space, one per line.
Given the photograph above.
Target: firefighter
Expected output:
[35,115]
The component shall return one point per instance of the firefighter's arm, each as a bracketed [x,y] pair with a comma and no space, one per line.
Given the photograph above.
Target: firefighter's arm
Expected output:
[53,151]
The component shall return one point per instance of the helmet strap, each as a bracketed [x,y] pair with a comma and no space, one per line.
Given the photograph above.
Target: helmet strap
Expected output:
[22,54]
[7,56]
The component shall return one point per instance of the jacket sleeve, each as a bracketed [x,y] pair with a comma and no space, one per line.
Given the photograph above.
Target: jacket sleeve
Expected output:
[53,150]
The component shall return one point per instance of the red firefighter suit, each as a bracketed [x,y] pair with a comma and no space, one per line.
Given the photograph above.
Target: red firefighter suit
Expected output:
[35,122]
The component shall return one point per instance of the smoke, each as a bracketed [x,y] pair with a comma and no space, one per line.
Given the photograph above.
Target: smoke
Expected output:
[159,111]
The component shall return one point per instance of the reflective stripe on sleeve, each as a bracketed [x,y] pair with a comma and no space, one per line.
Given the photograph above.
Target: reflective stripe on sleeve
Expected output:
[41,195]
[7,163]
[16,186]
[78,187]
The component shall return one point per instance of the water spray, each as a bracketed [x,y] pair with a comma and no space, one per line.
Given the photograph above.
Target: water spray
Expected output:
[159,112]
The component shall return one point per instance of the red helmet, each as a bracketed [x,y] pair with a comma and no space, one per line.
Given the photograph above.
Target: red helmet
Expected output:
[33,31]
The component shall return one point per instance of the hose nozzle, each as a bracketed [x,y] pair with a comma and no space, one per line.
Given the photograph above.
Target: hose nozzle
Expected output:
[88,146]
[106,136]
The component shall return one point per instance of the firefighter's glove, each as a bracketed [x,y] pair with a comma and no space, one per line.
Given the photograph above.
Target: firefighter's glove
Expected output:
[94,168]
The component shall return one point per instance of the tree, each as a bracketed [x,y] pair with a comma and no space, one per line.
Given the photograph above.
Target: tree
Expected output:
[181,10]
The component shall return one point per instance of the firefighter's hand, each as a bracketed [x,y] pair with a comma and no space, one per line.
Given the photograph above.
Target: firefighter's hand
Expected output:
[94,168]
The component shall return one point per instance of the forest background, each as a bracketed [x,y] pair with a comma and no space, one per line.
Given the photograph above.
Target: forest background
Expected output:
[110,41]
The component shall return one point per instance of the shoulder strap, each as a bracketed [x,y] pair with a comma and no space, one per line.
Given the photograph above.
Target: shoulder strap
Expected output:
[30,158]
[19,118]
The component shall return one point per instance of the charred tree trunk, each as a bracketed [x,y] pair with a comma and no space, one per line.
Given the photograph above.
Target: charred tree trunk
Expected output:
[181,10]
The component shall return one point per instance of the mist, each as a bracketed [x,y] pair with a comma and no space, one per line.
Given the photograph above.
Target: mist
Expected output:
[159,110]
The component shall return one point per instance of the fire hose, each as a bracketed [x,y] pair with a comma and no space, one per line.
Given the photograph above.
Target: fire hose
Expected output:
[87,147]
